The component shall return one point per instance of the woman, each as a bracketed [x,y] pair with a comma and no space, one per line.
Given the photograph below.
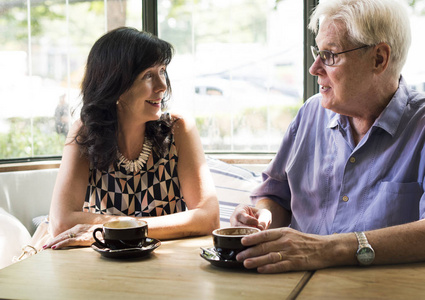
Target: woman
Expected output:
[124,157]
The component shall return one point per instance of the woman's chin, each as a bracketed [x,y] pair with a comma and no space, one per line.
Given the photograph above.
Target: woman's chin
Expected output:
[155,117]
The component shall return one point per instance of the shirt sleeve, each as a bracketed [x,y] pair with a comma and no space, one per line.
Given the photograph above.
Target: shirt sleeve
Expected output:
[422,200]
[275,184]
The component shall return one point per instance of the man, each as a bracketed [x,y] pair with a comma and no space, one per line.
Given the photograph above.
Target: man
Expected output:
[62,116]
[347,184]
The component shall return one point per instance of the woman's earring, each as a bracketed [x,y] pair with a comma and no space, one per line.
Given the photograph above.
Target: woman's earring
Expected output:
[118,102]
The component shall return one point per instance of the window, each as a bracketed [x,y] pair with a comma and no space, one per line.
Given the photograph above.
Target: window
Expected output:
[237,70]
[413,70]
[239,67]
[43,50]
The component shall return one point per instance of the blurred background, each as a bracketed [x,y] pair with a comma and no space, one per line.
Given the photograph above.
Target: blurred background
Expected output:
[238,67]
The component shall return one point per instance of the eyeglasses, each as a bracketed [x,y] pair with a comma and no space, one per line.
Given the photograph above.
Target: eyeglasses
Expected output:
[328,57]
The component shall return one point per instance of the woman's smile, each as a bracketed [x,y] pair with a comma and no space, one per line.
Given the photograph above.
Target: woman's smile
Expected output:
[156,102]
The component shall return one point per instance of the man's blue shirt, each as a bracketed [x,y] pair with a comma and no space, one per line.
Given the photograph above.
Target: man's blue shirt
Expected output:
[331,185]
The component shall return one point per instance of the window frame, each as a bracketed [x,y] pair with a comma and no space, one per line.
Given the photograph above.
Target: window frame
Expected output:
[150,24]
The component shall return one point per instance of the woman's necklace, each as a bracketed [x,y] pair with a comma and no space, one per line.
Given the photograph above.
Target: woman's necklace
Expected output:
[137,164]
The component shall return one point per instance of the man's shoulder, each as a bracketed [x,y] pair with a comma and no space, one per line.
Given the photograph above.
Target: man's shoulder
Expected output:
[314,100]
[310,105]
[313,109]
[415,108]
[311,117]
[416,99]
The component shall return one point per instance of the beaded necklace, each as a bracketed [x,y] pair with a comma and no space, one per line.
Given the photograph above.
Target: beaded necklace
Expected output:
[137,164]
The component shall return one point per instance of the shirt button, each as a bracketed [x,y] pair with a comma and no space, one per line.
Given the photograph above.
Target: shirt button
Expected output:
[352,159]
[345,198]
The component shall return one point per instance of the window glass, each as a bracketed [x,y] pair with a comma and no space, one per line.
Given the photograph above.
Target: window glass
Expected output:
[414,71]
[238,68]
[43,50]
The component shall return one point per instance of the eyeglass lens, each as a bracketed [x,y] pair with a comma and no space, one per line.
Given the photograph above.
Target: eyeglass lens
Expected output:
[325,56]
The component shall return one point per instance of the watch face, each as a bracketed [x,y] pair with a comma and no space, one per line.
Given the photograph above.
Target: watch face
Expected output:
[366,255]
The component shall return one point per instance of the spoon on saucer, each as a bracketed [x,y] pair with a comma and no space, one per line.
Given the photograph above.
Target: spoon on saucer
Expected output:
[210,253]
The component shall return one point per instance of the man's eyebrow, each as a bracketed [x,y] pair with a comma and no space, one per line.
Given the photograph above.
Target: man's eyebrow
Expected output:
[330,44]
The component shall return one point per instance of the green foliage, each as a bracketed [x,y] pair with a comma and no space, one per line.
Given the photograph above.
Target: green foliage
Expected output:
[239,23]
[250,124]
[418,6]
[47,16]
[31,138]
[38,13]
[16,18]
[259,120]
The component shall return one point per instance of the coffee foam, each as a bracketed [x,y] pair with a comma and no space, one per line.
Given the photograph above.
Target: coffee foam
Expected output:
[235,231]
[124,224]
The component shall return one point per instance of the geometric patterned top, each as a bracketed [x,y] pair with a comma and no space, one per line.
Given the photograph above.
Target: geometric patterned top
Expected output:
[150,187]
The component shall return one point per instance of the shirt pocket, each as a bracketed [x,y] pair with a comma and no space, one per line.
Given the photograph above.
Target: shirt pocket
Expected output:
[397,203]
[410,188]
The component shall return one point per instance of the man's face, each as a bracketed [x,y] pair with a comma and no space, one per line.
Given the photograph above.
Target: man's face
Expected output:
[346,85]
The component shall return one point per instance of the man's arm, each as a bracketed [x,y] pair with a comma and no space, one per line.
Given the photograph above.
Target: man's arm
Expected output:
[285,249]
[399,244]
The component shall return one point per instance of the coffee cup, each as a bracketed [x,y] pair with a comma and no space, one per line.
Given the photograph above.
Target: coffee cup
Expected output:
[122,234]
[227,241]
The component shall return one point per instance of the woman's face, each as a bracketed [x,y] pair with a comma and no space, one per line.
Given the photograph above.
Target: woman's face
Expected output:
[346,85]
[143,100]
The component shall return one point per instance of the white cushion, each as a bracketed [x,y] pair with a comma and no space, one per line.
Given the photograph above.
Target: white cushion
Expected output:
[233,185]
[13,235]
[27,194]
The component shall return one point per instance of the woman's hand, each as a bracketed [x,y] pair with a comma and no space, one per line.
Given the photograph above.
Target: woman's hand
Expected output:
[245,215]
[285,249]
[79,235]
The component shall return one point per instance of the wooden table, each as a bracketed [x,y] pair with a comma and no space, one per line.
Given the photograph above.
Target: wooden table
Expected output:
[405,281]
[175,270]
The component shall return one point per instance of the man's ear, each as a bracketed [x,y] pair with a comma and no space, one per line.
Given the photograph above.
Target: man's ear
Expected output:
[382,53]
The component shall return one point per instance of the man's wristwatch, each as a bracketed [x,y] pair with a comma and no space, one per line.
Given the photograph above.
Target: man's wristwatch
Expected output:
[365,253]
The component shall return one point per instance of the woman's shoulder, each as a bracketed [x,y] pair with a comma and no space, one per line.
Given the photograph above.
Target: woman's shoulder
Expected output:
[182,122]
[74,130]
[185,133]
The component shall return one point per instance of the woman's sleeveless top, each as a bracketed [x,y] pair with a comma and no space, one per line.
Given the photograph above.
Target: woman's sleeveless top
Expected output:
[148,186]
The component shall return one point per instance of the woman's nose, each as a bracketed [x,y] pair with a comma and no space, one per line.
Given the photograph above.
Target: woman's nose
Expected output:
[161,83]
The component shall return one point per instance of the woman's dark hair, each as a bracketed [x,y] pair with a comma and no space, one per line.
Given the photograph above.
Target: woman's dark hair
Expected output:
[113,64]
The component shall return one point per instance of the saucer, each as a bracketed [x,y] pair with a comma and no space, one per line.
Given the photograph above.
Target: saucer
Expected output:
[148,246]
[210,255]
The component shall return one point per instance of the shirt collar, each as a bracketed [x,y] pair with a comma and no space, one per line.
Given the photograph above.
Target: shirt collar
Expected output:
[390,116]
[334,121]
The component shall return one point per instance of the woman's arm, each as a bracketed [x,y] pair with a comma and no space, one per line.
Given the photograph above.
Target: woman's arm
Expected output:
[70,190]
[196,183]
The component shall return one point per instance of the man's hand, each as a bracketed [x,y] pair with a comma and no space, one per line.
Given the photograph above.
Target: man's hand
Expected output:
[285,249]
[245,215]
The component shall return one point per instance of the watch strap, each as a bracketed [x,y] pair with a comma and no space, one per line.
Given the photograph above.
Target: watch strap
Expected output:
[365,253]
[361,238]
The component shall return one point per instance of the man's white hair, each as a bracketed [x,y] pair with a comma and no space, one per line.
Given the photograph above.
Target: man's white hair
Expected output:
[370,22]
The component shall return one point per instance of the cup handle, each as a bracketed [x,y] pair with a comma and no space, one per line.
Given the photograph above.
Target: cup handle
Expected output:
[96,239]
